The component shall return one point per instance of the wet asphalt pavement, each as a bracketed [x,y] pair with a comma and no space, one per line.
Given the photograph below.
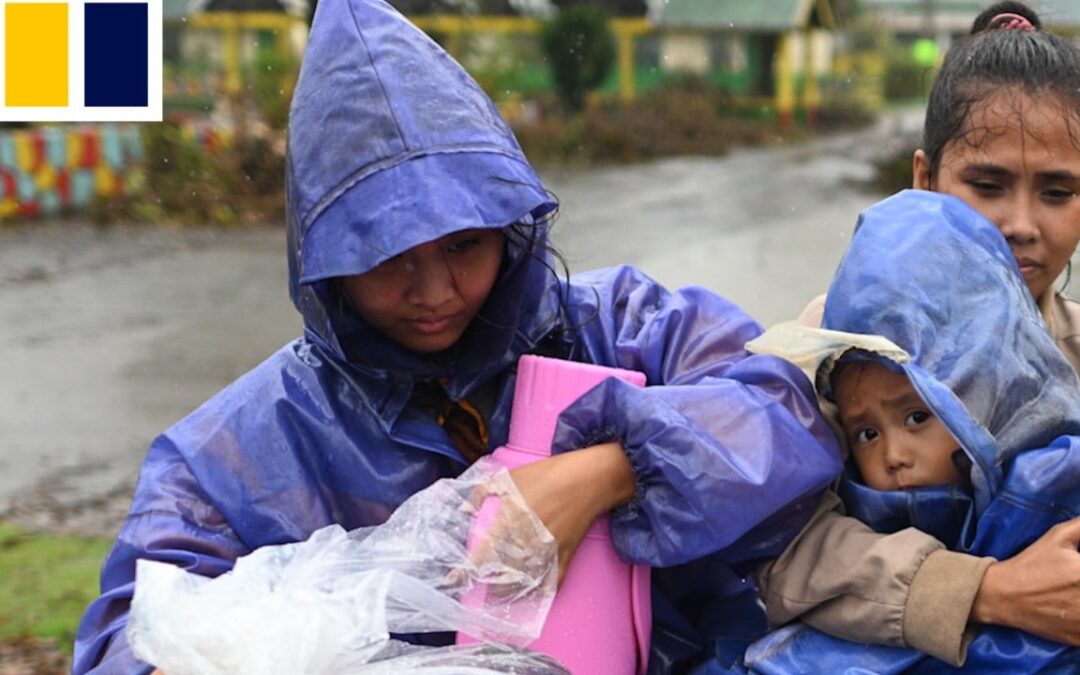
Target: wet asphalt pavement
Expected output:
[109,335]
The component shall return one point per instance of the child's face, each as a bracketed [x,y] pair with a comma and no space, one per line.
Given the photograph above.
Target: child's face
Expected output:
[895,440]
[1019,166]
[425,298]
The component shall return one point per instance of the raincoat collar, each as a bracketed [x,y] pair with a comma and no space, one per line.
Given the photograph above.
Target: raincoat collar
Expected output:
[938,285]
[391,145]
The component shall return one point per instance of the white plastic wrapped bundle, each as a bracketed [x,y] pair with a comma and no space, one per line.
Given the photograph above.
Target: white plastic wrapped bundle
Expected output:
[329,604]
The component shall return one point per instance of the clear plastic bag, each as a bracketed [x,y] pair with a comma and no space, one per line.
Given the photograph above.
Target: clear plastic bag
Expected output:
[329,604]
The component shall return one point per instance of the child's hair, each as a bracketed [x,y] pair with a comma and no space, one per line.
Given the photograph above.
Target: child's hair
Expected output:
[999,53]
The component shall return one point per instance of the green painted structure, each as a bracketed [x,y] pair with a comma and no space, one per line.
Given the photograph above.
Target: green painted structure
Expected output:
[772,47]
[215,47]
[746,16]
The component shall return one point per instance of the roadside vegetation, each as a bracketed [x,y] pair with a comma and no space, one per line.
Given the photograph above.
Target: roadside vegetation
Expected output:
[557,90]
[894,171]
[46,582]
[240,180]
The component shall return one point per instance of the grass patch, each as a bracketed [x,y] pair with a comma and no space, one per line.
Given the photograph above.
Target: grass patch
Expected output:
[46,582]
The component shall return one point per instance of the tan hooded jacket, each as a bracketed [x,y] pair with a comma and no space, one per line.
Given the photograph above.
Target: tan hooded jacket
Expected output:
[902,589]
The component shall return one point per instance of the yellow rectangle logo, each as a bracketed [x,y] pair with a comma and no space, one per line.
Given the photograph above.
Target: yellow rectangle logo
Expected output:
[36,54]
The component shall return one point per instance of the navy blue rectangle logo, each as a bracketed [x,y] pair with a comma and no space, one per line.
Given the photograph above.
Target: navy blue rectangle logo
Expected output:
[116,54]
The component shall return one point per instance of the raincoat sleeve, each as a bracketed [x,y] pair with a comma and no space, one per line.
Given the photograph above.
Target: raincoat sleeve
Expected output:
[901,589]
[171,520]
[728,449]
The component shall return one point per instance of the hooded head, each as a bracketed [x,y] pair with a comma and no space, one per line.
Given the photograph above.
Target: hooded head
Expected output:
[392,145]
[930,289]
[938,280]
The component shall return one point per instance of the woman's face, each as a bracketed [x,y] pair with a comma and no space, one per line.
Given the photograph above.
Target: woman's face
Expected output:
[1019,166]
[425,298]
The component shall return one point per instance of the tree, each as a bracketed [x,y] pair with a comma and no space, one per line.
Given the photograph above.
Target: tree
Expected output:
[846,11]
[581,50]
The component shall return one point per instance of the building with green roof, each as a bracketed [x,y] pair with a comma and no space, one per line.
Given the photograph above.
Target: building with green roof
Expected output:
[773,49]
[757,16]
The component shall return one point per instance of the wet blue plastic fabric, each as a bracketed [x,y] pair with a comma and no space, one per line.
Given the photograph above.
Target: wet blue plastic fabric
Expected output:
[938,280]
[392,145]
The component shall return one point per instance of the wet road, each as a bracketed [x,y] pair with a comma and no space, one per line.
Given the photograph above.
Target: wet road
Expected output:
[109,335]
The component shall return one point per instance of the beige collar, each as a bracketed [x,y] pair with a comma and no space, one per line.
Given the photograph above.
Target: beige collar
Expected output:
[1046,308]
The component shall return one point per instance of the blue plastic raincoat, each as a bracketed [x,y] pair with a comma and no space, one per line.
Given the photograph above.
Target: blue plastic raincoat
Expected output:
[938,280]
[391,145]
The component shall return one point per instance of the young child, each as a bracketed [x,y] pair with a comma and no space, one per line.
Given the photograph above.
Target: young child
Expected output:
[419,259]
[962,417]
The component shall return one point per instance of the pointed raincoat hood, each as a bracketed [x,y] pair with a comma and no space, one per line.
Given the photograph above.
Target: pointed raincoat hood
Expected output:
[391,145]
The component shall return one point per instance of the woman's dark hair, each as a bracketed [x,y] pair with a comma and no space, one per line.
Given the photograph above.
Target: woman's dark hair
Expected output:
[994,58]
[531,238]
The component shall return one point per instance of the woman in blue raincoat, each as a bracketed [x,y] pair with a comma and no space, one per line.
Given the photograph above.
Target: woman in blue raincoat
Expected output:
[930,289]
[419,259]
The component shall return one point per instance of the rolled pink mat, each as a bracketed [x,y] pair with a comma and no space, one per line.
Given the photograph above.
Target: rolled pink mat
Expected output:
[601,618]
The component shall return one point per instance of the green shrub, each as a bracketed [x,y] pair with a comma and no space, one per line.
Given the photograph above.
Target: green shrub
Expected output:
[580,47]
[684,117]
[894,172]
[241,181]
[273,81]
[843,114]
[906,79]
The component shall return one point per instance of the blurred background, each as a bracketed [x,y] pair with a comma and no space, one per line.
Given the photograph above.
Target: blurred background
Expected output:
[725,143]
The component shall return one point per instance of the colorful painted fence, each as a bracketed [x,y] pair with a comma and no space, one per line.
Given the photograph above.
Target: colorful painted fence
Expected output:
[55,170]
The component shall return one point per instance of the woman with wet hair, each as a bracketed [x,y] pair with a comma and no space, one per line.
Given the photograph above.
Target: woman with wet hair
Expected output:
[1002,133]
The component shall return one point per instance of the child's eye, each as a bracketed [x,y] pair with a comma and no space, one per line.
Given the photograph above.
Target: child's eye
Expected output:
[916,418]
[865,435]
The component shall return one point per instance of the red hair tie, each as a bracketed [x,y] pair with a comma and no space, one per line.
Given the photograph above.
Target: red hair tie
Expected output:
[1008,20]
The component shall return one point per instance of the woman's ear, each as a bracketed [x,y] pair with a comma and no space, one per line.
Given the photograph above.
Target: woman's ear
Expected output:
[920,168]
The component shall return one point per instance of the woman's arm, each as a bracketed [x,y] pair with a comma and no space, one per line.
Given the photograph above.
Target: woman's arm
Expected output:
[1037,590]
[569,491]
[901,589]
[905,589]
